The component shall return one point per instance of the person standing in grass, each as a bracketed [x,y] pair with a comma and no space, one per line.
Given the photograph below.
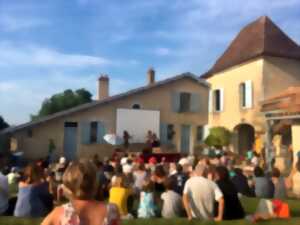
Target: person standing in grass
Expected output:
[172,203]
[199,196]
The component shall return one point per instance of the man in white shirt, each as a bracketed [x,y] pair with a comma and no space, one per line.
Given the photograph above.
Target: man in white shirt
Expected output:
[199,195]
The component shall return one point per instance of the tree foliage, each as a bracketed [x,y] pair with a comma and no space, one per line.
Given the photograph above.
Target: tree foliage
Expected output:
[62,101]
[3,124]
[218,137]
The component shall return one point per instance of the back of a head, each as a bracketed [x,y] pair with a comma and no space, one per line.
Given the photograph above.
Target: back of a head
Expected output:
[170,183]
[222,173]
[80,179]
[275,172]
[200,169]
[32,173]
[258,172]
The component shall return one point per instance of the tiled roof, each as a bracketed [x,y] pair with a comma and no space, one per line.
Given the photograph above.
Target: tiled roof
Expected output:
[260,38]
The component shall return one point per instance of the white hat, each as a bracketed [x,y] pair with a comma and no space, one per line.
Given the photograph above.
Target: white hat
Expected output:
[124,161]
[127,168]
[62,160]
[184,161]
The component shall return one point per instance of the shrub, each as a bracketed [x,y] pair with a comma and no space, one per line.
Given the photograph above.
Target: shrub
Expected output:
[218,137]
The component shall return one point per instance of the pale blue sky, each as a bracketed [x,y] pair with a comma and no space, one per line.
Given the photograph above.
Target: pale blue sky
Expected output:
[50,45]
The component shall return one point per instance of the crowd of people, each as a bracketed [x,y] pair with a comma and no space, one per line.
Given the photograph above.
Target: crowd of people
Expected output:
[125,187]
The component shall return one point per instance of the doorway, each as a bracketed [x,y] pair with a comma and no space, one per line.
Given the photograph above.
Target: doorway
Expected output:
[70,140]
[185,139]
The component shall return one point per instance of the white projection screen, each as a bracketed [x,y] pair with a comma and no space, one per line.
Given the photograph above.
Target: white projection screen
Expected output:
[137,122]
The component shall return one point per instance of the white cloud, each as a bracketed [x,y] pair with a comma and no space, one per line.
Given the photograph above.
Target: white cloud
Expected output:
[161,51]
[32,55]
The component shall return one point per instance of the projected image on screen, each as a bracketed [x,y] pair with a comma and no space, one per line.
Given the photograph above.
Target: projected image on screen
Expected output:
[137,122]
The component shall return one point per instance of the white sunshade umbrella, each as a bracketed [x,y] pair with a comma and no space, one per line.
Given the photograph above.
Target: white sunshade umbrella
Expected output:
[113,139]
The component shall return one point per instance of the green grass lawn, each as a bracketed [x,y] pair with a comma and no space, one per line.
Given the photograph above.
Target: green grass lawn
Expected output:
[248,203]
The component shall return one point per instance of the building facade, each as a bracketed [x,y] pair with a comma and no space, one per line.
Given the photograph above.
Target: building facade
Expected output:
[260,62]
[78,132]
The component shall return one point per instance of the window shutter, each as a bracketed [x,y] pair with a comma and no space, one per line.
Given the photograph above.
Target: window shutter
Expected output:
[205,131]
[249,93]
[195,102]
[85,132]
[100,133]
[210,101]
[175,101]
[163,133]
[221,99]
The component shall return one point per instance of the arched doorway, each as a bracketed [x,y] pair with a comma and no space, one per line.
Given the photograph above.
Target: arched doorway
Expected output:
[245,134]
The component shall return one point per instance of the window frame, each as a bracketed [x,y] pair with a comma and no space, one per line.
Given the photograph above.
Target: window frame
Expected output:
[93,132]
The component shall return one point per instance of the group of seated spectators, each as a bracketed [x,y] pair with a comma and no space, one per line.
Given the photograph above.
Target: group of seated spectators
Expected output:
[74,192]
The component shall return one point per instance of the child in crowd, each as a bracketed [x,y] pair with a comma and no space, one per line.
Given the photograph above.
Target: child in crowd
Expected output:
[147,206]
[172,203]
[118,195]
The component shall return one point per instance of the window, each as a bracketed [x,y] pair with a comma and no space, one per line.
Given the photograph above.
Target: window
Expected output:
[217,100]
[185,102]
[243,95]
[29,133]
[246,94]
[94,131]
[199,133]
[136,106]
[170,132]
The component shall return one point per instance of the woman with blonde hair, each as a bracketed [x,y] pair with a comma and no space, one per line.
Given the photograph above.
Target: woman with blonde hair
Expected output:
[80,187]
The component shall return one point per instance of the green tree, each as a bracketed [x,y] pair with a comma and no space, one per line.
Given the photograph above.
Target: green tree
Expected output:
[218,137]
[3,124]
[62,101]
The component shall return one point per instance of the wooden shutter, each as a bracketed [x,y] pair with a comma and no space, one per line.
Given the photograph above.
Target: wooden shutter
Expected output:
[175,98]
[221,99]
[101,131]
[163,133]
[85,132]
[249,93]
[210,101]
[195,102]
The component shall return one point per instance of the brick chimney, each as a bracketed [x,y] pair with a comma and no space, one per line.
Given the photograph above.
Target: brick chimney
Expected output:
[103,87]
[151,76]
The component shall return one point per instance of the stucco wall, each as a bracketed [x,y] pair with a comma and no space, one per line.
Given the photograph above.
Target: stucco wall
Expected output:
[279,74]
[155,99]
[230,80]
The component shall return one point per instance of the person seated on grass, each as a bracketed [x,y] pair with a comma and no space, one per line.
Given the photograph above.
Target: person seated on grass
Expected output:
[180,178]
[240,182]
[80,187]
[147,206]
[232,206]
[118,195]
[263,186]
[295,181]
[139,175]
[158,178]
[199,196]
[279,184]
[270,209]
[33,199]
[172,202]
